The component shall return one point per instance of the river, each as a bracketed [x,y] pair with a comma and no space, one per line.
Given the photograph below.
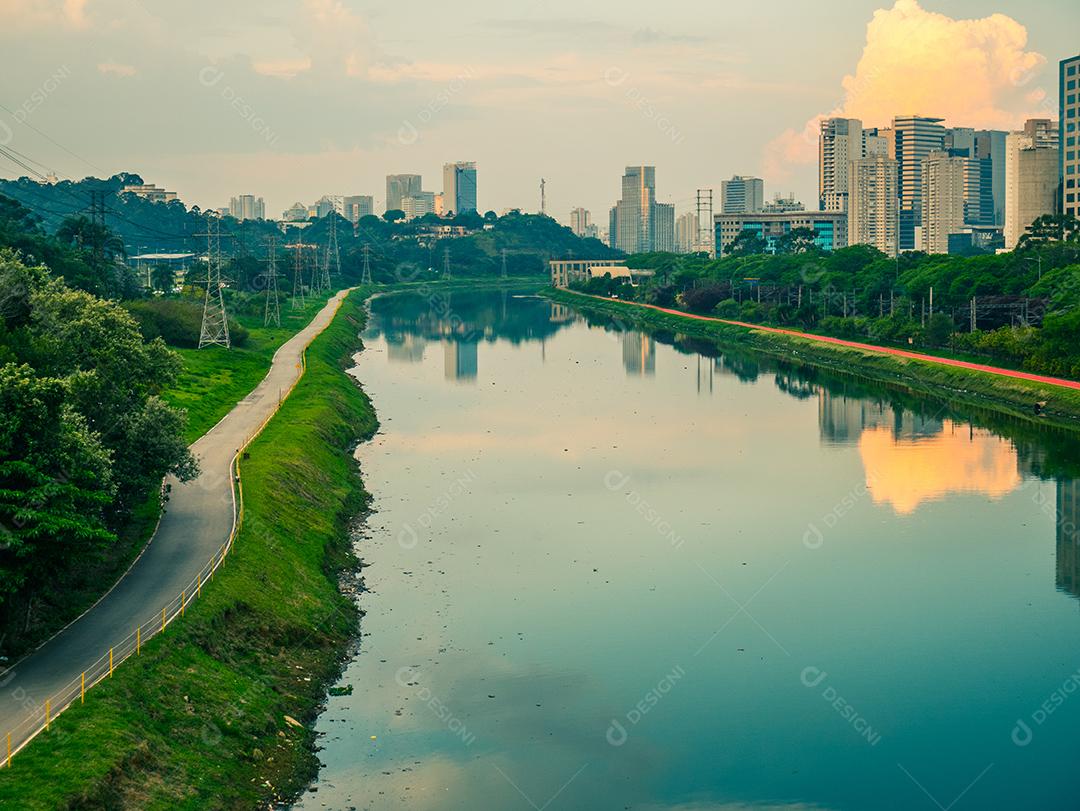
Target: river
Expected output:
[613,570]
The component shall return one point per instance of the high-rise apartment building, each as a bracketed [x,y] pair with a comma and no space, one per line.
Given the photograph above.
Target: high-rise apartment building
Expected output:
[1069,171]
[742,195]
[247,207]
[913,139]
[686,233]
[355,206]
[840,142]
[946,180]
[459,187]
[873,203]
[664,233]
[580,220]
[1032,177]
[399,187]
[632,224]
[418,204]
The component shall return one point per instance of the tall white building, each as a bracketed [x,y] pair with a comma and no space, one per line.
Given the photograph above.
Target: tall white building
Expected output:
[913,139]
[873,203]
[580,220]
[459,187]
[399,187]
[1069,173]
[1032,168]
[247,207]
[686,233]
[742,195]
[418,204]
[945,181]
[356,206]
[632,220]
[664,236]
[840,142]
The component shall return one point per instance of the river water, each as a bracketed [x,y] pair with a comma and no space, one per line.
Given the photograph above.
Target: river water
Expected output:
[612,570]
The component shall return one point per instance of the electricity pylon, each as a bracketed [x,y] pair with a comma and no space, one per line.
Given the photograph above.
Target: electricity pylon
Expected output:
[366,277]
[297,302]
[272,312]
[215,321]
[332,258]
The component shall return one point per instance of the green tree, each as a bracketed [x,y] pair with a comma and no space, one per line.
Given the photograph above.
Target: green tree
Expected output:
[747,243]
[163,278]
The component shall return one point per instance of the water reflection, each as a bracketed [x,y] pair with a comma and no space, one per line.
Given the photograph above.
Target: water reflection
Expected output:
[638,354]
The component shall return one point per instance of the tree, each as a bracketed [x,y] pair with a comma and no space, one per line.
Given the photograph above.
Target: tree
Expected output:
[163,278]
[394,215]
[98,239]
[797,240]
[747,243]
[1050,228]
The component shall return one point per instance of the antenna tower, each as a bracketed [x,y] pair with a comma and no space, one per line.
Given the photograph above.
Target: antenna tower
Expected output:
[543,196]
[215,321]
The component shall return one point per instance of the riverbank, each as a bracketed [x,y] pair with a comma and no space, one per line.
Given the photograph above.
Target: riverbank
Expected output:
[1028,400]
[211,714]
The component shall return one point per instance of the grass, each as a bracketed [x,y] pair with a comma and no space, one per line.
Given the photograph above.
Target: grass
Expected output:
[1008,396]
[198,721]
[215,379]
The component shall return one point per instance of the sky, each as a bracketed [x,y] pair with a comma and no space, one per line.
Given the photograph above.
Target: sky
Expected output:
[294,100]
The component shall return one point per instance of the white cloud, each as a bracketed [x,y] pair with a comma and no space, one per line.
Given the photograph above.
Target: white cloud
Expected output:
[974,73]
[116,69]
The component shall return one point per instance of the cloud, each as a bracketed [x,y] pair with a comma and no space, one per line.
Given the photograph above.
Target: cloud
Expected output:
[973,73]
[336,39]
[23,14]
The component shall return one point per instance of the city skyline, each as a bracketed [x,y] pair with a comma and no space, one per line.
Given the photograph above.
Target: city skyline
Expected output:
[418,105]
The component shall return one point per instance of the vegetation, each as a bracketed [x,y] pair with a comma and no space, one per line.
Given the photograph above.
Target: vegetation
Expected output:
[1026,305]
[204,718]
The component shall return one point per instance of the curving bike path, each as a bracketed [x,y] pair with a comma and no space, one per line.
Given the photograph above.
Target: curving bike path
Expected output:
[881,350]
[197,522]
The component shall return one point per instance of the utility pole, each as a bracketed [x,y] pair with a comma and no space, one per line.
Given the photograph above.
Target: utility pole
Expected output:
[543,197]
[446,264]
[706,235]
[504,274]
[366,277]
[272,311]
[215,321]
[297,302]
[332,257]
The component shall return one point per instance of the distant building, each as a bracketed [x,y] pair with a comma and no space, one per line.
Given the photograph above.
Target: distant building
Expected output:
[356,206]
[873,203]
[633,218]
[840,142]
[297,212]
[580,220]
[148,191]
[686,233]
[398,187]
[460,360]
[1069,172]
[327,203]
[459,187]
[913,139]
[1032,176]
[945,187]
[247,207]
[664,235]
[418,204]
[742,195]
[831,228]
[782,205]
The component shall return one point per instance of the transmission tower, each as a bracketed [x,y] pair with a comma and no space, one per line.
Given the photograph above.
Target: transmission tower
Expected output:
[543,197]
[706,235]
[504,263]
[272,312]
[332,257]
[366,277]
[297,302]
[446,263]
[215,321]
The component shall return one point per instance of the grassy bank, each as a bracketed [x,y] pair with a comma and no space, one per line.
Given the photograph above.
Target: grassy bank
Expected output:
[1009,396]
[201,719]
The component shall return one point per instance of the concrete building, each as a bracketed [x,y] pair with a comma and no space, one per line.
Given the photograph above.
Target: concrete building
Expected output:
[459,187]
[148,191]
[840,143]
[686,233]
[565,271]
[742,195]
[782,205]
[1032,177]
[1069,172]
[913,139]
[664,234]
[873,204]
[327,203]
[580,220]
[297,212]
[945,189]
[398,187]
[418,204]
[247,207]
[831,228]
[355,206]
[633,218]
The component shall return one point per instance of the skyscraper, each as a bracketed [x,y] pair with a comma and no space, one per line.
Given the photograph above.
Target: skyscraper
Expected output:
[841,142]
[1032,177]
[664,228]
[914,138]
[686,233]
[399,187]
[580,220]
[632,220]
[945,185]
[742,195]
[355,206]
[418,204]
[247,207]
[1069,172]
[873,203]
[459,187]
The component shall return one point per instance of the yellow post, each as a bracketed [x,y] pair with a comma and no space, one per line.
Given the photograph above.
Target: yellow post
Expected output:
[110,662]
[47,709]
[211,567]
[82,689]
[9,750]
[198,587]
[138,641]
[183,602]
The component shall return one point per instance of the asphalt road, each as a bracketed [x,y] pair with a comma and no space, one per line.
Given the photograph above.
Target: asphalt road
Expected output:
[197,522]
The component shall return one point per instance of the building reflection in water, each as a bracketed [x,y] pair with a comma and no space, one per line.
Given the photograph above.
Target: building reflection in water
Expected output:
[407,348]
[460,360]
[1068,536]
[638,354]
